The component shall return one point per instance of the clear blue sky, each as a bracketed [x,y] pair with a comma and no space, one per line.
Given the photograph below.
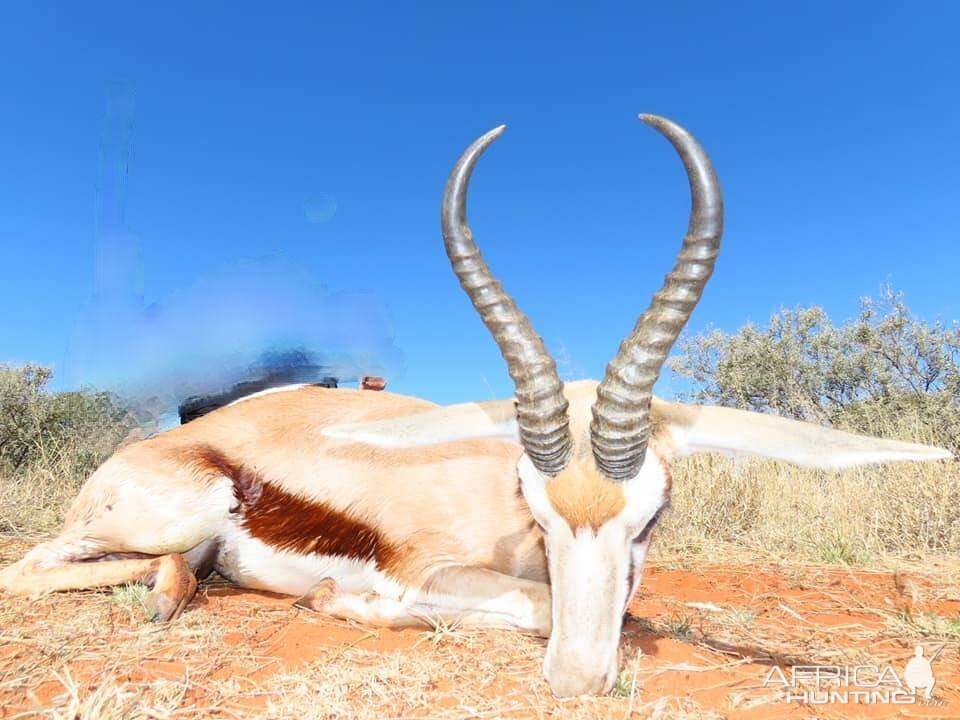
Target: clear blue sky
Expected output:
[833,125]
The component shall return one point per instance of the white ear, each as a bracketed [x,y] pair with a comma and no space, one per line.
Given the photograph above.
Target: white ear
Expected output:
[493,419]
[696,428]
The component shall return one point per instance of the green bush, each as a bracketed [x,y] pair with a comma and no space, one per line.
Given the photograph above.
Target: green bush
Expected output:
[49,444]
[885,372]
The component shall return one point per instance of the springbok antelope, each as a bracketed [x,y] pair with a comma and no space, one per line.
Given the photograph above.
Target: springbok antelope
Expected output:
[534,512]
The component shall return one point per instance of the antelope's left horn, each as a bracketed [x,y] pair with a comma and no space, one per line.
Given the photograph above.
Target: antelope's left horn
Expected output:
[621,414]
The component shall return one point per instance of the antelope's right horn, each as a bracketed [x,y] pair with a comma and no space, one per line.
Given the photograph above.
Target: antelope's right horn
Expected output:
[541,405]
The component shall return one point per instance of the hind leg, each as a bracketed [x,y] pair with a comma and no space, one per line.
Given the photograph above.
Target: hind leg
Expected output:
[172,583]
[145,516]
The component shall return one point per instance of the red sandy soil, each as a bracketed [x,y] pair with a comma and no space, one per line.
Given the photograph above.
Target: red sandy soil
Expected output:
[707,638]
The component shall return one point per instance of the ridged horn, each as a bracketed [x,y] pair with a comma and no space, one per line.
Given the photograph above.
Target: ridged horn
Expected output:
[541,405]
[621,413]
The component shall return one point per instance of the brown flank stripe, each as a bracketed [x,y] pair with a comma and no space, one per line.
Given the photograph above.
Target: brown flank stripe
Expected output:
[286,521]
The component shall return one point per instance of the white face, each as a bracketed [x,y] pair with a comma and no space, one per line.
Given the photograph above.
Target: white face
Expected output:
[593,575]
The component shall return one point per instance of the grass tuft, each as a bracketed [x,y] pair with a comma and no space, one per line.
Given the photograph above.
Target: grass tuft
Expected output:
[741,617]
[625,686]
[927,625]
[679,626]
[842,551]
[133,597]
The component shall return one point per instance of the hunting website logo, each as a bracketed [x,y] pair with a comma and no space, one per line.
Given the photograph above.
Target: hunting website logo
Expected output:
[860,684]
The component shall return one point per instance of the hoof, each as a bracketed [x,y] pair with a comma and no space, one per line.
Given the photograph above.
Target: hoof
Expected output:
[319,596]
[173,588]
[161,607]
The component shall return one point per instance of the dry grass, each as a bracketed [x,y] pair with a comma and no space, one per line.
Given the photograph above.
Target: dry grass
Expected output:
[91,655]
[766,510]
[34,501]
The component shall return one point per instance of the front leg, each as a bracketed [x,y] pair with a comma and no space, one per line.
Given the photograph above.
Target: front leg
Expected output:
[460,596]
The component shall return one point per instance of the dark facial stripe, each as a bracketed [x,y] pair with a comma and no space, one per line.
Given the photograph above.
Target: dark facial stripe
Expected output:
[651,524]
[286,521]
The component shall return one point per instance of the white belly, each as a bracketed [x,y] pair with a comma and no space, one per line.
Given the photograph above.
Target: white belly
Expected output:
[251,563]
